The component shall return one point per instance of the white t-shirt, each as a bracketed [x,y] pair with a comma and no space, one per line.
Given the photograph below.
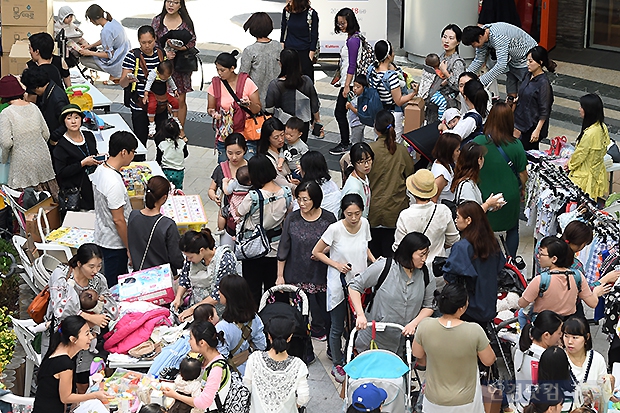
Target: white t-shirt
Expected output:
[597,370]
[109,193]
[440,170]
[525,364]
[346,248]
[466,126]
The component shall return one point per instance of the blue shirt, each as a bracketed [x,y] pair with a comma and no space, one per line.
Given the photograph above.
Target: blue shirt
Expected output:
[232,336]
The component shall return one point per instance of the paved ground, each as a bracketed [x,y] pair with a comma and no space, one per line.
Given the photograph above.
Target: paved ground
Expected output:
[221,27]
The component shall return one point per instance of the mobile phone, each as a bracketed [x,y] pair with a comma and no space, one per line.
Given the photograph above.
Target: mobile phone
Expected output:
[99,158]
[316,130]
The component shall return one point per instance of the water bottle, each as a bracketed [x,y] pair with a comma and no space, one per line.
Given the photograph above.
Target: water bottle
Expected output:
[97,369]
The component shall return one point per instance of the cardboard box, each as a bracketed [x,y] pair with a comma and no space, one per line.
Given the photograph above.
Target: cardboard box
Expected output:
[414,115]
[53,217]
[12,34]
[137,201]
[12,65]
[26,12]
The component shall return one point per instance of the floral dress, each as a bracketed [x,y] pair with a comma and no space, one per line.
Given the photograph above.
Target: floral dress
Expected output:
[182,80]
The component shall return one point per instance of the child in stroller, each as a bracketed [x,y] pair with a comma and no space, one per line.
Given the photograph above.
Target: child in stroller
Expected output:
[66,21]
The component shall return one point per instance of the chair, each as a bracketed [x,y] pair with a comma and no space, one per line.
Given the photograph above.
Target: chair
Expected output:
[27,265]
[17,401]
[43,268]
[25,336]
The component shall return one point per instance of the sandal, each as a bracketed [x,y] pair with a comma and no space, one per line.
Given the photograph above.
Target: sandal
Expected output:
[112,81]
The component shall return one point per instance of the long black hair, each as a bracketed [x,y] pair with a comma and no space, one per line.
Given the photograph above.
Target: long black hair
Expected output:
[477,95]
[69,327]
[546,322]
[291,69]
[315,168]
[182,12]
[592,106]
[205,331]
[353,25]
[240,306]
[193,241]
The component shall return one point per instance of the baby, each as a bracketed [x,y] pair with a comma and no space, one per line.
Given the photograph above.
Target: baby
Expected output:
[294,148]
[66,21]
[187,383]
[237,188]
[451,117]
[156,92]
[91,303]
[432,80]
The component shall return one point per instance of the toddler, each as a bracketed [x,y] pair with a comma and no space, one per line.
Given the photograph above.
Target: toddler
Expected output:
[451,117]
[206,312]
[432,80]
[171,152]
[187,383]
[66,20]
[237,188]
[294,147]
[357,127]
[91,303]
[156,91]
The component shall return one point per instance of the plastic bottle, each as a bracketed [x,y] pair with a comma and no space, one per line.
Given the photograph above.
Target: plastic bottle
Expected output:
[97,366]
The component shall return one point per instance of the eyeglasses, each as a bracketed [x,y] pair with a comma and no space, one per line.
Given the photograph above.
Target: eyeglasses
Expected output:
[341,24]
[367,161]
[173,3]
[540,254]
[303,200]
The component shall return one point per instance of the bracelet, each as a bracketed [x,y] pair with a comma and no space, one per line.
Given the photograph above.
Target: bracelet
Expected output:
[596,283]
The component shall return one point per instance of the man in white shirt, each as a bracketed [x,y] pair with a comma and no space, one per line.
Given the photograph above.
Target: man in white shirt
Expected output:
[112,205]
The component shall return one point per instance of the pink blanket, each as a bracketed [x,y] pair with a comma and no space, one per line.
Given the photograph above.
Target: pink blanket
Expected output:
[134,329]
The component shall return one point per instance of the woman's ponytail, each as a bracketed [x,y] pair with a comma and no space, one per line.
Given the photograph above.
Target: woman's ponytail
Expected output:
[525,341]
[108,16]
[156,188]
[69,327]
[384,124]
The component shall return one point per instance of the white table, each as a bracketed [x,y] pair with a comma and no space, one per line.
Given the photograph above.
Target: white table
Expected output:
[99,99]
[613,167]
[103,136]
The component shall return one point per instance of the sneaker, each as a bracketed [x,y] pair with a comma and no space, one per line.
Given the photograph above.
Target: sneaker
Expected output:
[339,374]
[339,149]
[310,359]
[152,129]
[320,337]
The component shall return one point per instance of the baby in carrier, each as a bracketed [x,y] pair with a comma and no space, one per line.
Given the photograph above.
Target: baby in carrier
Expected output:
[432,79]
[91,303]
[237,188]
[156,93]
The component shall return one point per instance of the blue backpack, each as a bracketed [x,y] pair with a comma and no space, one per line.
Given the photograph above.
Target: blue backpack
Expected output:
[369,103]
[545,280]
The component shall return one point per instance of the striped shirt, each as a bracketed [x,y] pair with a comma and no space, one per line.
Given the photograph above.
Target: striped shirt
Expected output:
[511,45]
[129,63]
[375,80]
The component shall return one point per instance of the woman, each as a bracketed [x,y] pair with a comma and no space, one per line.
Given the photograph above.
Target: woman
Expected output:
[236,148]
[392,165]
[466,177]
[476,103]
[114,44]
[174,22]
[228,114]
[504,170]
[475,261]
[270,144]
[300,233]
[74,157]
[262,272]
[554,369]
[153,238]
[260,59]
[446,152]
[423,215]
[299,31]
[204,340]
[384,73]
[242,327]
[586,168]
[452,65]
[134,77]
[204,268]
[66,284]
[535,100]
[449,386]
[586,364]
[24,140]
[313,167]
[405,297]
[362,157]
[544,332]
[55,377]
[347,241]
[293,94]
[346,22]
[548,398]
[275,378]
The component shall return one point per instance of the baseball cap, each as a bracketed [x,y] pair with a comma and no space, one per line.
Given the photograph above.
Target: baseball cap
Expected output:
[450,114]
[368,397]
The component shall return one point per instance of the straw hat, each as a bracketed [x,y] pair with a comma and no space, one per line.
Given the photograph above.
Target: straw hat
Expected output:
[422,184]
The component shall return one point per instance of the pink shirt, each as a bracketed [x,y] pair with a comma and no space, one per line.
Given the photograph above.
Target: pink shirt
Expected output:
[226,100]
[206,398]
[558,297]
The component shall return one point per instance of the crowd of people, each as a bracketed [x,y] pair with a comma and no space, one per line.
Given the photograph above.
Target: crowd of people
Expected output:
[423,239]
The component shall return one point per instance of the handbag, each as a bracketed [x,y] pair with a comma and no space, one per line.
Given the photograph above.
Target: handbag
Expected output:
[38,307]
[69,199]
[438,263]
[186,61]
[254,123]
[492,394]
[148,244]
[255,245]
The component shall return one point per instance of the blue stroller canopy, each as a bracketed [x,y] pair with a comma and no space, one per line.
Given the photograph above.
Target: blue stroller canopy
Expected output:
[378,364]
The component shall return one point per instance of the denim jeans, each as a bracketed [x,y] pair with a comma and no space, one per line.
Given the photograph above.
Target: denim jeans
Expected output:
[338,315]
[512,240]
[114,264]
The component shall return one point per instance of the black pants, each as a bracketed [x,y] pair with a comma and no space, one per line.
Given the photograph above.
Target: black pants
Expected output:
[381,243]
[140,122]
[340,113]
[260,273]
[321,320]
[307,68]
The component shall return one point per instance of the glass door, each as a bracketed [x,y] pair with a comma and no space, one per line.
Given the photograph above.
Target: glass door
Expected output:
[605,24]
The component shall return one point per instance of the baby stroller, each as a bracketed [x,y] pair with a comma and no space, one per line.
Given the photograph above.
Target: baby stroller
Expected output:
[291,302]
[382,368]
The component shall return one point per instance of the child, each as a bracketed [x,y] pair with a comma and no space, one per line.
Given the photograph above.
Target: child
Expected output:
[367,398]
[294,147]
[238,188]
[451,117]
[187,383]
[562,290]
[357,127]
[152,408]
[171,152]
[432,79]
[156,90]
[91,303]
[206,312]
[66,20]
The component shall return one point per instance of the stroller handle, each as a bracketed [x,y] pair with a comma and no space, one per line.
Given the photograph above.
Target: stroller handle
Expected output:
[286,288]
[379,326]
